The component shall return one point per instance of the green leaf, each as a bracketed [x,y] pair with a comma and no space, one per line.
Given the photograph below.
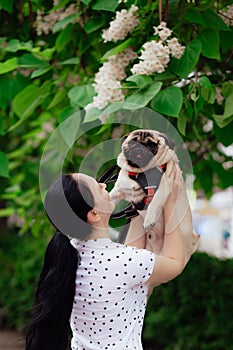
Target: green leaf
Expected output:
[117,49]
[207,18]
[96,113]
[227,117]
[30,61]
[227,89]
[209,95]
[226,40]
[73,60]
[60,96]
[140,80]
[40,71]
[28,100]
[143,97]
[10,86]
[81,95]
[64,38]
[104,5]
[86,2]
[6,212]
[64,22]
[205,82]
[4,165]
[181,123]
[7,5]
[188,61]
[69,128]
[15,45]
[168,101]
[8,65]
[224,135]
[222,120]
[209,39]
[93,24]
[214,21]
[46,54]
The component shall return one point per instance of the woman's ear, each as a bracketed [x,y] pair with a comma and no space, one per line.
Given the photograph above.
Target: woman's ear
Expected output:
[93,216]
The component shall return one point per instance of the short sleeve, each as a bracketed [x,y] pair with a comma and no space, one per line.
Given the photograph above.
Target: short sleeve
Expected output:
[138,265]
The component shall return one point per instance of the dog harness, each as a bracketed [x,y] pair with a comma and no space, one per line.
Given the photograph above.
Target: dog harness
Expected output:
[149,182]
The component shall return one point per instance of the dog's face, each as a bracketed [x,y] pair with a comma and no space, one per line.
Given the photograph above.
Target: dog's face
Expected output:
[140,146]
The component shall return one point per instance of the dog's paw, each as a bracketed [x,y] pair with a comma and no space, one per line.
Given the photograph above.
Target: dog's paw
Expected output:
[149,223]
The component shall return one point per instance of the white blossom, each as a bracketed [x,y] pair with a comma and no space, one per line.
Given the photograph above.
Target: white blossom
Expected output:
[176,49]
[155,54]
[124,23]
[108,79]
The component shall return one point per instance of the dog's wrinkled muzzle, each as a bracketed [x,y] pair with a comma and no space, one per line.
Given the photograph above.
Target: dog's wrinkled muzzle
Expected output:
[137,155]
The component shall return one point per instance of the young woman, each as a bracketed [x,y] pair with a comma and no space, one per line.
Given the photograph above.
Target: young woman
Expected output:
[96,286]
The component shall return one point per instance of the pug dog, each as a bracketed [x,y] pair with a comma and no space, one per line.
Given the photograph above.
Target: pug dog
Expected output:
[143,151]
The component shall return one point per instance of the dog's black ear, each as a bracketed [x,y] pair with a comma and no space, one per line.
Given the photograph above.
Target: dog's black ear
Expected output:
[169,142]
[124,138]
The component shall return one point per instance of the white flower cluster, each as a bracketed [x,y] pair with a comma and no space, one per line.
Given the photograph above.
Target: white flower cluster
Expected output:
[227,16]
[156,54]
[124,23]
[108,80]
[45,23]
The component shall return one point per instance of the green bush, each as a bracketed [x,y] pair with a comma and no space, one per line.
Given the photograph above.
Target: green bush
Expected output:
[21,259]
[195,311]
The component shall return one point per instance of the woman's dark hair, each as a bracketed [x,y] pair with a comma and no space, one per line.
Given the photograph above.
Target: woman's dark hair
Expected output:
[49,329]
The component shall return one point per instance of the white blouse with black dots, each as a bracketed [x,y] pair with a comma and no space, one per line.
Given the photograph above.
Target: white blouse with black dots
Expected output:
[111,295]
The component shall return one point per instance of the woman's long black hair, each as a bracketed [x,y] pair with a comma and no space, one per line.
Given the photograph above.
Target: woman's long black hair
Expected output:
[49,329]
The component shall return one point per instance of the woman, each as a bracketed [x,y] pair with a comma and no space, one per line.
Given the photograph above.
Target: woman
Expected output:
[98,286]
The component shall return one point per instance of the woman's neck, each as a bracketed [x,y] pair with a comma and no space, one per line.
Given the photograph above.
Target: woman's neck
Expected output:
[99,232]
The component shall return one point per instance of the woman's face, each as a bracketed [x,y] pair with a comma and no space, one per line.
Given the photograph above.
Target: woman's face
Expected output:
[101,195]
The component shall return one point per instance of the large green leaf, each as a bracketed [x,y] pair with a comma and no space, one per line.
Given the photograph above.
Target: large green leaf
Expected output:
[184,66]
[25,102]
[8,65]
[143,97]
[4,165]
[209,39]
[168,101]
[81,95]
[207,18]
[104,5]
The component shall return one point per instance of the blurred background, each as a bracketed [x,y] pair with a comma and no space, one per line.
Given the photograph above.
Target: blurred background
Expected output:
[86,60]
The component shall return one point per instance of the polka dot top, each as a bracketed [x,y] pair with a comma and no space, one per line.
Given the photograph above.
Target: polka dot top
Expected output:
[111,295]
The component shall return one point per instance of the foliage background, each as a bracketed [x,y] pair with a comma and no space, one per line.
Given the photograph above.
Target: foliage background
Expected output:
[45,78]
